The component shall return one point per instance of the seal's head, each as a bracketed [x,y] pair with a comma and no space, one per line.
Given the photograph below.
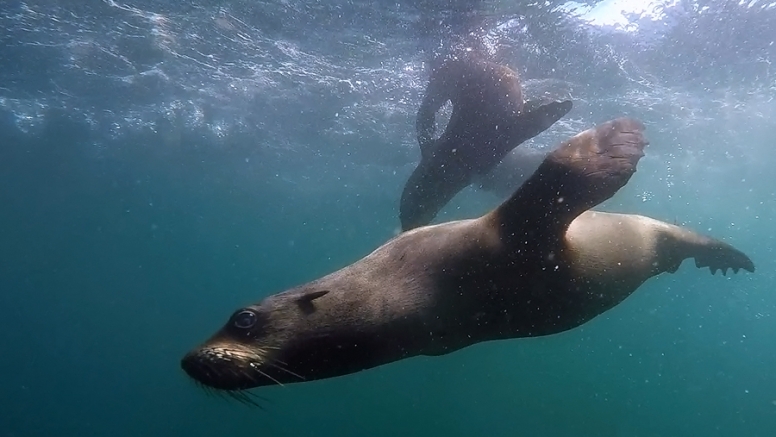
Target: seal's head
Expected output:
[230,360]
[251,349]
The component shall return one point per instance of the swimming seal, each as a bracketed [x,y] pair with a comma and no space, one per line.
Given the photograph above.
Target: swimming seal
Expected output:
[489,119]
[538,264]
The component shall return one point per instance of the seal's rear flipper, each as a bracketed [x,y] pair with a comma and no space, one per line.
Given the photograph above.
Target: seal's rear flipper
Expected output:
[717,255]
[584,171]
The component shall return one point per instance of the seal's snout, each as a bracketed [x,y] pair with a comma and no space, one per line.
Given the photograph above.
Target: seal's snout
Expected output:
[216,370]
[194,367]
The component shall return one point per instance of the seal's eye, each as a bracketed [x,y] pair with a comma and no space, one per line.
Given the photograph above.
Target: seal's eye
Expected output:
[244,319]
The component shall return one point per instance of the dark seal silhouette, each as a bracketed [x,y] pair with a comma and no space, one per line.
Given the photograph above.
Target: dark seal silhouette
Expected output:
[539,264]
[489,120]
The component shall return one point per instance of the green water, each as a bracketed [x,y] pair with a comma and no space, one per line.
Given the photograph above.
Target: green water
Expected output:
[114,264]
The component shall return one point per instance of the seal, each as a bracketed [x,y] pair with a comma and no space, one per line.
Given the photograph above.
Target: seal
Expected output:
[489,120]
[538,264]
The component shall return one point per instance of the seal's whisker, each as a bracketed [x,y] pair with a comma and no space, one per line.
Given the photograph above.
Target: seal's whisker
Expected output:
[301,378]
[217,393]
[255,396]
[255,366]
[245,398]
[209,391]
[237,373]
[235,396]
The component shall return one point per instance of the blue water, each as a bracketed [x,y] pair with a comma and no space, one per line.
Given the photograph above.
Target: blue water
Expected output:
[162,165]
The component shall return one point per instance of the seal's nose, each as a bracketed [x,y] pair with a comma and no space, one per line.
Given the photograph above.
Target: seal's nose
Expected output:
[193,365]
[201,369]
[215,373]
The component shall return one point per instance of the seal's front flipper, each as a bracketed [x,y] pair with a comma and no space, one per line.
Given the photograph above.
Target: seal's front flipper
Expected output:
[584,171]
[535,118]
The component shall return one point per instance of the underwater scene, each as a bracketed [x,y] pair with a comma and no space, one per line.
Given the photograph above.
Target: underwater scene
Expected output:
[410,218]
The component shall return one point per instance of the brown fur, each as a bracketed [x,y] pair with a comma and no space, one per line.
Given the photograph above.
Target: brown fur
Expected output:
[539,264]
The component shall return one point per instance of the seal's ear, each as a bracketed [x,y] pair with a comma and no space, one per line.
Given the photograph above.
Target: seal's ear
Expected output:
[305,301]
[312,295]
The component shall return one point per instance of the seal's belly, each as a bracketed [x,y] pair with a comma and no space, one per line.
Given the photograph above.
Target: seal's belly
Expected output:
[523,301]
